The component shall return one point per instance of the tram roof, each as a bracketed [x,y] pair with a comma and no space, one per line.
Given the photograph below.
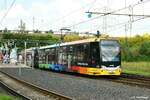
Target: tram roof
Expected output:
[75,42]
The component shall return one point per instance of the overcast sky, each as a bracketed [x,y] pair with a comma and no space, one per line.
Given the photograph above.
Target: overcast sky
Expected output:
[55,14]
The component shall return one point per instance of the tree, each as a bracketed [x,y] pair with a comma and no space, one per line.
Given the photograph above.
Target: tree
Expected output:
[36,31]
[51,31]
[5,30]
[71,37]
[145,48]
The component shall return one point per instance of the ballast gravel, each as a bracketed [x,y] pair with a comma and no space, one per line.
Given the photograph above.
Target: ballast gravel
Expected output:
[79,88]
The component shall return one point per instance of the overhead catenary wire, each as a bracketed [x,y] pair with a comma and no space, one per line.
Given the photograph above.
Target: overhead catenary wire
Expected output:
[74,11]
[120,14]
[4,16]
[120,25]
[123,23]
[92,5]
[108,13]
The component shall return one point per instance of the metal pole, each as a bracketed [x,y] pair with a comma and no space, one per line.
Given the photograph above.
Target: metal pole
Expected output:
[33,23]
[126,33]
[61,36]
[25,53]
[131,19]
[37,44]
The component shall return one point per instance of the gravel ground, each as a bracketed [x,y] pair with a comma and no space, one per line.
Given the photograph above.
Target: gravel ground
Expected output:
[80,88]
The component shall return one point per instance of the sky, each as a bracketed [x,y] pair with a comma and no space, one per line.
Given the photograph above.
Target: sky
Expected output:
[55,14]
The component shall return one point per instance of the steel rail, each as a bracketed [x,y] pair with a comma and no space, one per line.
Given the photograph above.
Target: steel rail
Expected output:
[13,92]
[53,94]
[135,80]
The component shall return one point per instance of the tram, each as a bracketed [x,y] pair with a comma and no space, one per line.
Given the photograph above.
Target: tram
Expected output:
[96,56]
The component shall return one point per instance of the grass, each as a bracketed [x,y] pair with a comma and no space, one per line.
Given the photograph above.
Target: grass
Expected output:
[139,68]
[7,97]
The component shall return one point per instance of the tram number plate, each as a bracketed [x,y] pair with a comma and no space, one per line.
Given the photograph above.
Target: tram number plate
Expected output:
[111,72]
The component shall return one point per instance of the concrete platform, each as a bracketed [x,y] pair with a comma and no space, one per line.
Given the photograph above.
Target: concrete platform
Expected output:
[13,66]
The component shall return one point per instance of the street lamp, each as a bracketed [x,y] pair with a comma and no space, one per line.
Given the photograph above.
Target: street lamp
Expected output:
[61,30]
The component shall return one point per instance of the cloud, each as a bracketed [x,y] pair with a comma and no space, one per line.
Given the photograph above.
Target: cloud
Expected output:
[54,14]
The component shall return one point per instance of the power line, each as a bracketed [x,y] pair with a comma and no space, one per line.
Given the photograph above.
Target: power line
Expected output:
[7,12]
[120,14]
[5,4]
[108,13]
[92,4]
[121,24]
[72,12]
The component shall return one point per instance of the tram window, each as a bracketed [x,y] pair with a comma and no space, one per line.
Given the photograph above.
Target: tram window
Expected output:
[64,55]
[47,55]
[74,59]
[63,49]
[86,52]
[71,49]
[51,55]
[95,54]
[79,53]
[82,53]
[42,56]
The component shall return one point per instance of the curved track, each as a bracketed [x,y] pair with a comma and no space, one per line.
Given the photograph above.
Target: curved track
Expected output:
[13,92]
[50,94]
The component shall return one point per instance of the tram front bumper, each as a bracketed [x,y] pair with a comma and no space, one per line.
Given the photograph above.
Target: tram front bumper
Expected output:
[100,71]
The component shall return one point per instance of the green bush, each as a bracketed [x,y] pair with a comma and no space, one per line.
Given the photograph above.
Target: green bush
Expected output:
[136,48]
[145,48]
[32,39]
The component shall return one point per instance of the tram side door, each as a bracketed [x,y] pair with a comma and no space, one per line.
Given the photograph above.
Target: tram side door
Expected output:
[70,56]
[35,60]
[69,61]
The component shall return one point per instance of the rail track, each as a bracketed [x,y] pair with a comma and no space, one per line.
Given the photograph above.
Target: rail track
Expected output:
[134,80]
[13,92]
[129,79]
[31,91]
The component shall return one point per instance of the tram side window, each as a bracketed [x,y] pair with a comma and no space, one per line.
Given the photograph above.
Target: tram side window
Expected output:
[70,54]
[86,52]
[95,54]
[51,56]
[64,55]
[79,53]
[42,56]
[47,55]
[75,55]
[82,54]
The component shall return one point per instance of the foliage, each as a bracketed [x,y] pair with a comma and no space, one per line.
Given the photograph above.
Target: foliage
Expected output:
[7,97]
[136,48]
[145,48]
[31,39]
[71,37]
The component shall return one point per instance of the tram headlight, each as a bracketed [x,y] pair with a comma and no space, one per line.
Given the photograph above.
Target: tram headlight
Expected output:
[97,66]
[103,66]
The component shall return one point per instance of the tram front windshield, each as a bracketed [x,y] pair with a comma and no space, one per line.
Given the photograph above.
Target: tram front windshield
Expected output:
[110,50]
